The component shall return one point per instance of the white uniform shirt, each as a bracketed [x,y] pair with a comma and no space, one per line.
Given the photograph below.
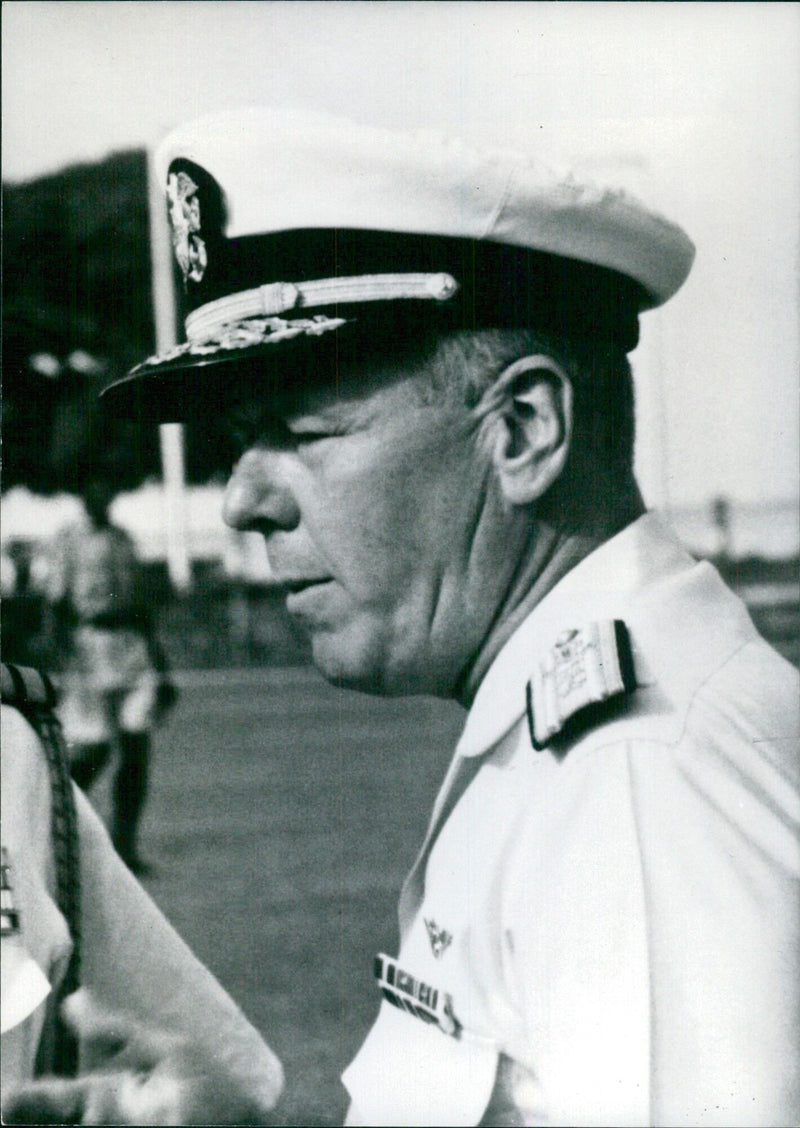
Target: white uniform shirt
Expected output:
[615,920]
[132,960]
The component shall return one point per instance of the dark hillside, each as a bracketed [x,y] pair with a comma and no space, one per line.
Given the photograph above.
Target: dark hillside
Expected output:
[77,311]
[76,258]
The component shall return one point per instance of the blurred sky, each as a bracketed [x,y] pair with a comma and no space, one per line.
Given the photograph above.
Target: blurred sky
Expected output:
[697,105]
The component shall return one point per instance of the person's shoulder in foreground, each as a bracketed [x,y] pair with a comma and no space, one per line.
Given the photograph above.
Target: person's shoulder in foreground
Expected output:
[422,349]
[159,1041]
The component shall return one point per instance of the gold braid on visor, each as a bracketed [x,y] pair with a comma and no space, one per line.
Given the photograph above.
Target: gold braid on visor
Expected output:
[277,298]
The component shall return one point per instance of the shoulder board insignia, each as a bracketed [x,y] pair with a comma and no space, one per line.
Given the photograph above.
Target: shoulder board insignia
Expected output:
[22,685]
[585,669]
[417,998]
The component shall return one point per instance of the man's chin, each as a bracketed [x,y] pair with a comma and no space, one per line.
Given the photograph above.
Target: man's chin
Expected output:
[366,668]
[348,669]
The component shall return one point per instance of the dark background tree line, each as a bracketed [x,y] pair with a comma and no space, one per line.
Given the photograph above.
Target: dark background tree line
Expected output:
[77,279]
[77,285]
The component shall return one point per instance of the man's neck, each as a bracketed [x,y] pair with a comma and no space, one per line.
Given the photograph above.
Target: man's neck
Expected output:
[552,556]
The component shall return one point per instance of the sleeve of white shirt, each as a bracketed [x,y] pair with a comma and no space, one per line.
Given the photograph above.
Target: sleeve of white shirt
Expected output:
[719,822]
[654,930]
[35,955]
[133,961]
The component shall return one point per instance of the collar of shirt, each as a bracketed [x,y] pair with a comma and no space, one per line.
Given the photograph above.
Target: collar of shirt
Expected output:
[634,577]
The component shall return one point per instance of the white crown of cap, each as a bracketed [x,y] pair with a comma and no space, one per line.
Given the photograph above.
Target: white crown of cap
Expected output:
[284,170]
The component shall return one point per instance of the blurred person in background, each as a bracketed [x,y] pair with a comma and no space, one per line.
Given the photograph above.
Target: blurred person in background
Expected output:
[115,680]
[425,370]
[80,937]
[21,601]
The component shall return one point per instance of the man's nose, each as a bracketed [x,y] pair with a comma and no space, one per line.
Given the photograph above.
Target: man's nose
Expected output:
[257,497]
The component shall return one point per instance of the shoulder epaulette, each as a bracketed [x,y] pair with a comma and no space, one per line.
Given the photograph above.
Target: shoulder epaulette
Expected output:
[23,686]
[579,681]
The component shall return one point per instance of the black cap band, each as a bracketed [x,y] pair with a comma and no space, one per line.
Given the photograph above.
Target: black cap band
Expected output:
[500,286]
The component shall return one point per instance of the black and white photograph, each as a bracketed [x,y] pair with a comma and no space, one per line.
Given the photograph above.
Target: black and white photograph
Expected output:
[400,563]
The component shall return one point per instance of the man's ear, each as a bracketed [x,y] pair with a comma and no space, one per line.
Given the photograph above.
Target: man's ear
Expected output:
[531,427]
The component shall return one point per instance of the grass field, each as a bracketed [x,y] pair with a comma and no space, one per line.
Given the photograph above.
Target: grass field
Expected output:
[283,818]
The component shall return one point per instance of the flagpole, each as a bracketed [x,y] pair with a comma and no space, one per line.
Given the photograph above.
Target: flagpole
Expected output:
[170,434]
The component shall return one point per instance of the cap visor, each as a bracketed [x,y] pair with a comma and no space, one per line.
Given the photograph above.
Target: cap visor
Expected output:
[175,389]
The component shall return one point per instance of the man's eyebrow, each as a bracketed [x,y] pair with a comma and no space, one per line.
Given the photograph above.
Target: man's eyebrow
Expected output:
[333,409]
[338,413]
[256,414]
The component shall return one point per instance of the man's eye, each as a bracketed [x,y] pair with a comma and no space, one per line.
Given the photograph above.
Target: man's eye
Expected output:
[246,431]
[309,435]
[240,439]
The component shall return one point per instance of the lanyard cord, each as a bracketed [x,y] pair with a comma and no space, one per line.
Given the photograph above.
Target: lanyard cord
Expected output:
[34,696]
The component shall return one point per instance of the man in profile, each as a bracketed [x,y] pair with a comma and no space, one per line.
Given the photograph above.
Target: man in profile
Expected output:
[422,352]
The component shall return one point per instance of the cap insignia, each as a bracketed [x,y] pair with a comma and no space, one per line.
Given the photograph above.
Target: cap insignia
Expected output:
[184,218]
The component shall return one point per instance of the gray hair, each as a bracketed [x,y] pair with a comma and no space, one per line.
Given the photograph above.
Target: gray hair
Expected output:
[598,482]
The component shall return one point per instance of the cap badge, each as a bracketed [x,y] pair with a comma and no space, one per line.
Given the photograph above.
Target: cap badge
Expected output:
[440,938]
[184,218]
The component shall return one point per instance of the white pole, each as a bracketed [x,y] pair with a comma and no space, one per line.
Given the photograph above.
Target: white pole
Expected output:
[170,434]
[652,422]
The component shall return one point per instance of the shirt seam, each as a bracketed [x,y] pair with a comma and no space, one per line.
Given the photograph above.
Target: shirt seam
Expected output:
[688,709]
[635,818]
[698,689]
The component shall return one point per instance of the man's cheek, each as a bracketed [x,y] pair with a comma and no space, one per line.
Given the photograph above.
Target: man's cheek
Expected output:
[364,543]
[350,649]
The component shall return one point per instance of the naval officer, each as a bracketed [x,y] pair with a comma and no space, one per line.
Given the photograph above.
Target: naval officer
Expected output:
[421,349]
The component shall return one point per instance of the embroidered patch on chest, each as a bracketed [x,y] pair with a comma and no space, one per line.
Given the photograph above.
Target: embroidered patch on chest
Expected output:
[440,938]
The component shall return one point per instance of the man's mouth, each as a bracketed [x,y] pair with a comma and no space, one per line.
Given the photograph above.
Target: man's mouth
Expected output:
[301,595]
[295,586]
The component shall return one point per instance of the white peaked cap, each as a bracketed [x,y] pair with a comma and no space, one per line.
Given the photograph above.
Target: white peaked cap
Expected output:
[293,228]
[284,170]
